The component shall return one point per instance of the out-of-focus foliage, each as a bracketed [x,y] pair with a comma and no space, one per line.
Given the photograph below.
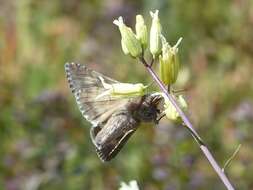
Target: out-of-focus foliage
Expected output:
[44,141]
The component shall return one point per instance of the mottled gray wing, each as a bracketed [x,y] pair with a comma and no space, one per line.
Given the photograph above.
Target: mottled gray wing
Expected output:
[86,85]
[112,137]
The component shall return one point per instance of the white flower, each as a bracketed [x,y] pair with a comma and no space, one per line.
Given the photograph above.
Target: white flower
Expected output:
[131,186]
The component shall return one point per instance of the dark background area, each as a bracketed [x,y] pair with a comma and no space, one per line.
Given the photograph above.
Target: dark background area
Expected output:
[44,141]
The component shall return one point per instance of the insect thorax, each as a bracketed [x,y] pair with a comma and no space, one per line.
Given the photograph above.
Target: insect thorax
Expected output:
[146,108]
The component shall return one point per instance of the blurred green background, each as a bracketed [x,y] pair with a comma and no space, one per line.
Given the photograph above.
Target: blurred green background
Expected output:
[44,141]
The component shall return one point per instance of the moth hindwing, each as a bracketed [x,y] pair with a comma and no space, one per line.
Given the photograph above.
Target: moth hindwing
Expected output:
[113,119]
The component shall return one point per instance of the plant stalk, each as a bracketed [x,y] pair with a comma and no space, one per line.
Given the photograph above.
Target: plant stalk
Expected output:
[189,126]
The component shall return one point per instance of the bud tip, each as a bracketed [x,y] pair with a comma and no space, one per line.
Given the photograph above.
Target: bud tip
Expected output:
[119,21]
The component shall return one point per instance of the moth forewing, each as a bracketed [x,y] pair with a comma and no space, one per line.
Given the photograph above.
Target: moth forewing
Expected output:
[86,86]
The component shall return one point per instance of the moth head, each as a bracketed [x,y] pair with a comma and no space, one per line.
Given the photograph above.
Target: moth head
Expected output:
[150,107]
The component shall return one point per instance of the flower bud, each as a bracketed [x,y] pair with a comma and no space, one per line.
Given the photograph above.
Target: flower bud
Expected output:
[170,111]
[155,33]
[169,63]
[124,48]
[122,89]
[128,89]
[141,31]
[129,40]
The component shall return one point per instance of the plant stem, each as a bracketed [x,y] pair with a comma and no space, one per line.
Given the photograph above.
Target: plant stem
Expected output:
[189,126]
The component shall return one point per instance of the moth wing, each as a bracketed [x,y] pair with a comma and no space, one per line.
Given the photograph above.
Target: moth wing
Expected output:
[86,85]
[110,139]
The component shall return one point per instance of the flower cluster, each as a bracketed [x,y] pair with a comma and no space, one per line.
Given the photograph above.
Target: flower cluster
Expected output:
[135,44]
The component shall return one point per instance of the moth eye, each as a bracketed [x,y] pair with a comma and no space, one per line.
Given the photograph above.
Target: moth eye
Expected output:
[147,113]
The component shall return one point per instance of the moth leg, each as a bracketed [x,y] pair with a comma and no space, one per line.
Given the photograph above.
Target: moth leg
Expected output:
[159,118]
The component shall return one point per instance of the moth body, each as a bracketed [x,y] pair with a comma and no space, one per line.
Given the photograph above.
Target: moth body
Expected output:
[113,119]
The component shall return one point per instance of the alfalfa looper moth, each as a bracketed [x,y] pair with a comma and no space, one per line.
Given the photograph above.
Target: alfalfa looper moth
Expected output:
[113,119]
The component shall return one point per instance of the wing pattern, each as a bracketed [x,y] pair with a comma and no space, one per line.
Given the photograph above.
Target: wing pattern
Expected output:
[86,85]
[114,135]
[112,123]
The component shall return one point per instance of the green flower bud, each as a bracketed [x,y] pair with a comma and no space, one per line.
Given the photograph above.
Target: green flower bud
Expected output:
[170,111]
[124,48]
[182,102]
[129,40]
[128,89]
[155,33]
[141,31]
[169,62]
[122,89]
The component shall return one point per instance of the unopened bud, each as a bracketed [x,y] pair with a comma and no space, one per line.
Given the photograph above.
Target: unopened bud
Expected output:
[169,62]
[122,89]
[124,48]
[141,31]
[155,33]
[129,40]
[170,111]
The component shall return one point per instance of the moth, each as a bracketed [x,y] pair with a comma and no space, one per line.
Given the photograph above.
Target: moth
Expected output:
[113,119]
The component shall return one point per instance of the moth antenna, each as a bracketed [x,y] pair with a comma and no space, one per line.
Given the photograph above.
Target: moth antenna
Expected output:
[149,84]
[159,118]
